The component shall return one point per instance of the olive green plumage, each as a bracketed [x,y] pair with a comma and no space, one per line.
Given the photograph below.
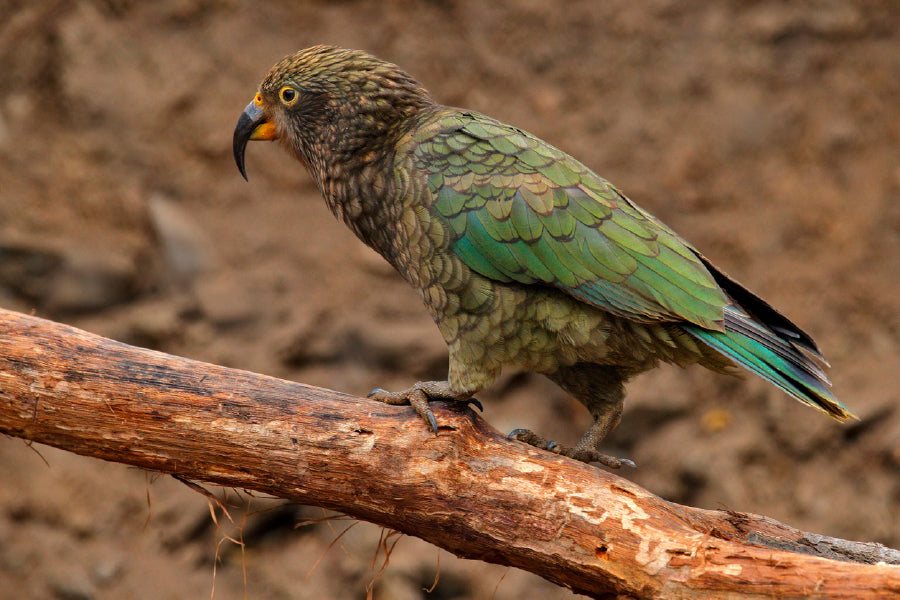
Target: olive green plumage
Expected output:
[521,210]
[523,255]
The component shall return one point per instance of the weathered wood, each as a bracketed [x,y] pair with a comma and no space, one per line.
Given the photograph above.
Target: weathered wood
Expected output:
[468,490]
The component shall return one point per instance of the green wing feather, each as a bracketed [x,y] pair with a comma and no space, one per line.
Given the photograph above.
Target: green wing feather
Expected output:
[521,210]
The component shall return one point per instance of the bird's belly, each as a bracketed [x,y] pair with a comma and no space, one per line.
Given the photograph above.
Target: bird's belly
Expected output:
[537,329]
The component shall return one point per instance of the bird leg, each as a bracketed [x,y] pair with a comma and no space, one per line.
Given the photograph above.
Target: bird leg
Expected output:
[420,394]
[587,448]
[600,389]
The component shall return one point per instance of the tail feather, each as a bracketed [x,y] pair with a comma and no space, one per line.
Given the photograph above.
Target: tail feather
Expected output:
[742,324]
[767,343]
[778,360]
[761,311]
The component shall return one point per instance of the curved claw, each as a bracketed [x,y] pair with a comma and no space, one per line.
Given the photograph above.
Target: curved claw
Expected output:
[514,434]
[376,391]
[474,402]
[431,421]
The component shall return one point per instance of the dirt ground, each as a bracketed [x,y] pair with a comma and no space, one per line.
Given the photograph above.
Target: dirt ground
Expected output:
[764,132]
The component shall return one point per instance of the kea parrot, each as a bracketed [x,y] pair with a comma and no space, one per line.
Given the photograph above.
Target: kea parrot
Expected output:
[523,256]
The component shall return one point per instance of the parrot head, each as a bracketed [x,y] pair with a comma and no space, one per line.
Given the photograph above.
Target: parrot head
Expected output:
[325,104]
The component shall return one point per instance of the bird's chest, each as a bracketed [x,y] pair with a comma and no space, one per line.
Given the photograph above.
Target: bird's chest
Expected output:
[366,199]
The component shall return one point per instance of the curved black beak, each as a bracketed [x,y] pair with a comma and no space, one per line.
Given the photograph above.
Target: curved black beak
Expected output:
[253,124]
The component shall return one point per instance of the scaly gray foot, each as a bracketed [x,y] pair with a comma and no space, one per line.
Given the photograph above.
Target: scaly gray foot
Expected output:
[580,453]
[419,395]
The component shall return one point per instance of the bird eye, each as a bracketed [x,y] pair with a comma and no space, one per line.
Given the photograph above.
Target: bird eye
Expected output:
[288,95]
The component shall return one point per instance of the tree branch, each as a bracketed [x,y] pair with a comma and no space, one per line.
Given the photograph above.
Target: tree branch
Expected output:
[468,490]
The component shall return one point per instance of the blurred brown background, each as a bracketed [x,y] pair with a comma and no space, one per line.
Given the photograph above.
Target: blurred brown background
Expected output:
[766,133]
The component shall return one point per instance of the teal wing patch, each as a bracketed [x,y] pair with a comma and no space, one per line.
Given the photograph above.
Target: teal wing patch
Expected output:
[522,211]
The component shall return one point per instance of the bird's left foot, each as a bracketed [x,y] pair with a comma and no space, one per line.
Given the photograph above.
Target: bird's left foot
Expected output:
[420,394]
[586,455]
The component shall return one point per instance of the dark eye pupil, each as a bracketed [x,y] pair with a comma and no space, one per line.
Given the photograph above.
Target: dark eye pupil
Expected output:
[288,95]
